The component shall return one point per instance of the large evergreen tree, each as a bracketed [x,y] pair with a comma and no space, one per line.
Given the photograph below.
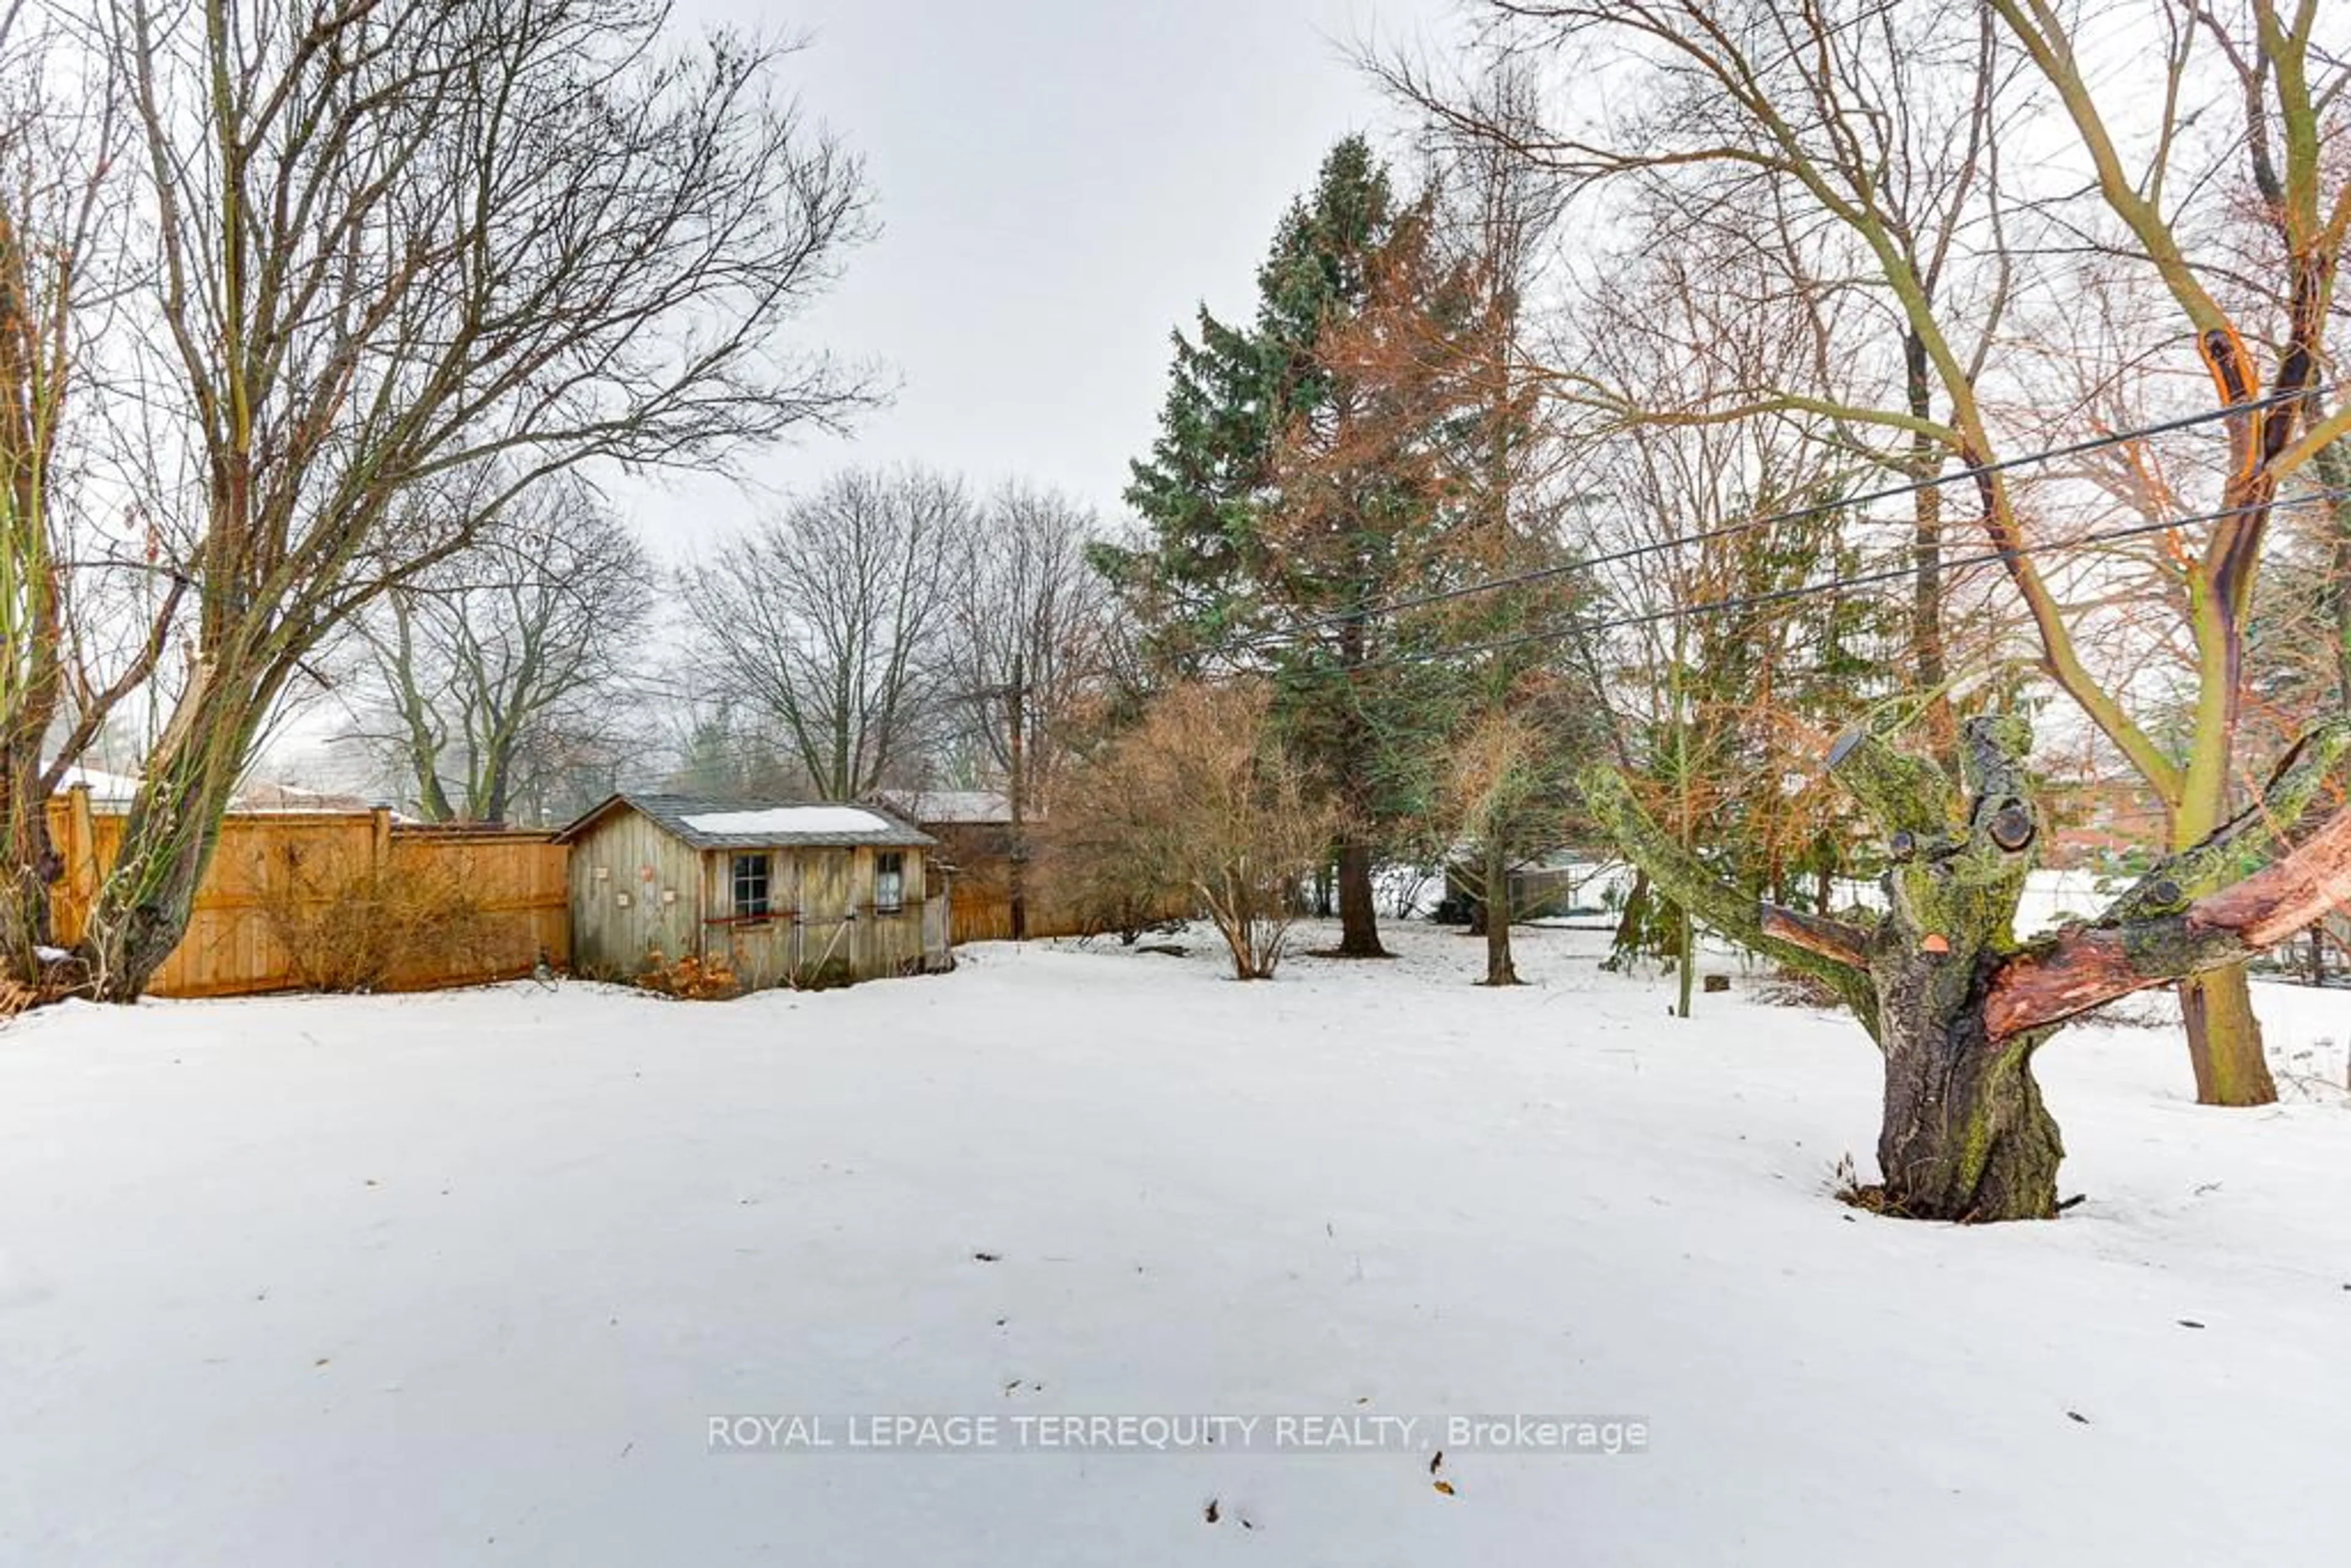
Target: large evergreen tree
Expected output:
[1296,486]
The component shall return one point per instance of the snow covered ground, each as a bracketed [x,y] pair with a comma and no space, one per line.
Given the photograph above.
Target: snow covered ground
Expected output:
[464,1278]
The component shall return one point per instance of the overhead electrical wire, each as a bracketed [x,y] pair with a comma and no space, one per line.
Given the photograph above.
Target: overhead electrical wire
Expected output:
[1574,627]
[1762,520]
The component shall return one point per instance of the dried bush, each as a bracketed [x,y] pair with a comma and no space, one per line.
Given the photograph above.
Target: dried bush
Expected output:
[57,975]
[365,929]
[688,978]
[1786,987]
[1198,800]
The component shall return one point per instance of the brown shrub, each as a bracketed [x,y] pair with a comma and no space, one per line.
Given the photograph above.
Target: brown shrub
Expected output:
[369,928]
[689,979]
[1787,988]
[1199,802]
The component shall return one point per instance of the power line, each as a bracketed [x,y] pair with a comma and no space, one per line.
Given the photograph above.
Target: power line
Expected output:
[1768,519]
[1859,579]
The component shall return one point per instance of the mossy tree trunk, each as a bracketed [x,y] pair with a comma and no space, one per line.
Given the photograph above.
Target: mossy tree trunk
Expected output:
[146,899]
[2225,1049]
[28,865]
[1957,1005]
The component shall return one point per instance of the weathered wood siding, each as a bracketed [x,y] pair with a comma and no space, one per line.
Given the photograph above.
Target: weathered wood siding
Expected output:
[822,925]
[636,893]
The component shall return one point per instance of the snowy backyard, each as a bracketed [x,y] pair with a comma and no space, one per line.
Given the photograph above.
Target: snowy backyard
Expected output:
[465,1277]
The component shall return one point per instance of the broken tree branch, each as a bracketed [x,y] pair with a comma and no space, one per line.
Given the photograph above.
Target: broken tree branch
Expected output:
[1905,794]
[1830,938]
[2085,965]
[2246,842]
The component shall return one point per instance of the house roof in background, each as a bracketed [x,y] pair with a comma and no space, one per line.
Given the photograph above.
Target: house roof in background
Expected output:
[953,808]
[106,789]
[111,792]
[263,795]
[711,824]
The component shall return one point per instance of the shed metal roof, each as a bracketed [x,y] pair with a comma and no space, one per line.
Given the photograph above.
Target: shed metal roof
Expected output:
[758,824]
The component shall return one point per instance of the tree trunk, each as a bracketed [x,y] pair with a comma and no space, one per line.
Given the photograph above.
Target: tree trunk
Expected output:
[1626,944]
[2333,463]
[1964,1136]
[1957,1006]
[145,901]
[1925,461]
[30,866]
[2224,1040]
[1500,970]
[1359,928]
[1686,939]
[131,934]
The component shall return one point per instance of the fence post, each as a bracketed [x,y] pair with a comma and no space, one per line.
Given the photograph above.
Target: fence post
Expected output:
[381,845]
[81,856]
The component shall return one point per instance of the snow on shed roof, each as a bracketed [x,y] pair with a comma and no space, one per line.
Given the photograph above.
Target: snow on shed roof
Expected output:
[794,820]
[710,824]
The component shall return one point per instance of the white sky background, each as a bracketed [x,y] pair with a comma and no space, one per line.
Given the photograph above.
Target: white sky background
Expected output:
[1059,183]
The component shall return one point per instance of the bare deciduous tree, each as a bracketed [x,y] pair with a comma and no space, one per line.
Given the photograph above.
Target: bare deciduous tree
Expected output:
[1958,1006]
[1778,101]
[398,239]
[832,618]
[494,674]
[1031,634]
[61,255]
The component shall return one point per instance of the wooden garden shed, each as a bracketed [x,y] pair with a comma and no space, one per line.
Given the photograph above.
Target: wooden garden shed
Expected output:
[783,893]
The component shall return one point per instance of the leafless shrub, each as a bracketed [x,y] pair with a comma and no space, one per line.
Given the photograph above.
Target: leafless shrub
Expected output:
[1786,987]
[369,928]
[1199,800]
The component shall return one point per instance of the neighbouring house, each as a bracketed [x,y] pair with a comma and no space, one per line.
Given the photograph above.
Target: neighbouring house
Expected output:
[1546,887]
[1005,884]
[781,894]
[974,830]
[2098,822]
[272,795]
[111,794]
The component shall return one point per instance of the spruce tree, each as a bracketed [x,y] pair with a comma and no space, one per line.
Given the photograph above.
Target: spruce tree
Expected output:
[1293,489]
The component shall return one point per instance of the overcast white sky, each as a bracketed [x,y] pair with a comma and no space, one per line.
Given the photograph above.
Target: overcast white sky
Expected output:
[1059,183]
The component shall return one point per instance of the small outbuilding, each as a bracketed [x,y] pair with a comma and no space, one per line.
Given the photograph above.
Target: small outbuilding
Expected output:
[782,893]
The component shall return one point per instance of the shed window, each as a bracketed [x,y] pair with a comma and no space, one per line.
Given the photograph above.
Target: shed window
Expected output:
[889,881]
[750,886]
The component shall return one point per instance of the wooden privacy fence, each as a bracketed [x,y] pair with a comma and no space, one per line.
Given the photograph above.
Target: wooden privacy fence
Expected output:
[269,866]
[978,911]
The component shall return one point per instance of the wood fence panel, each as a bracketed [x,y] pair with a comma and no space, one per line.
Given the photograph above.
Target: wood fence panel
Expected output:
[299,861]
[979,913]
[519,881]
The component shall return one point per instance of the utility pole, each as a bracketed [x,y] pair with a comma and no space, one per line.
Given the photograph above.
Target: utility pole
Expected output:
[1019,841]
